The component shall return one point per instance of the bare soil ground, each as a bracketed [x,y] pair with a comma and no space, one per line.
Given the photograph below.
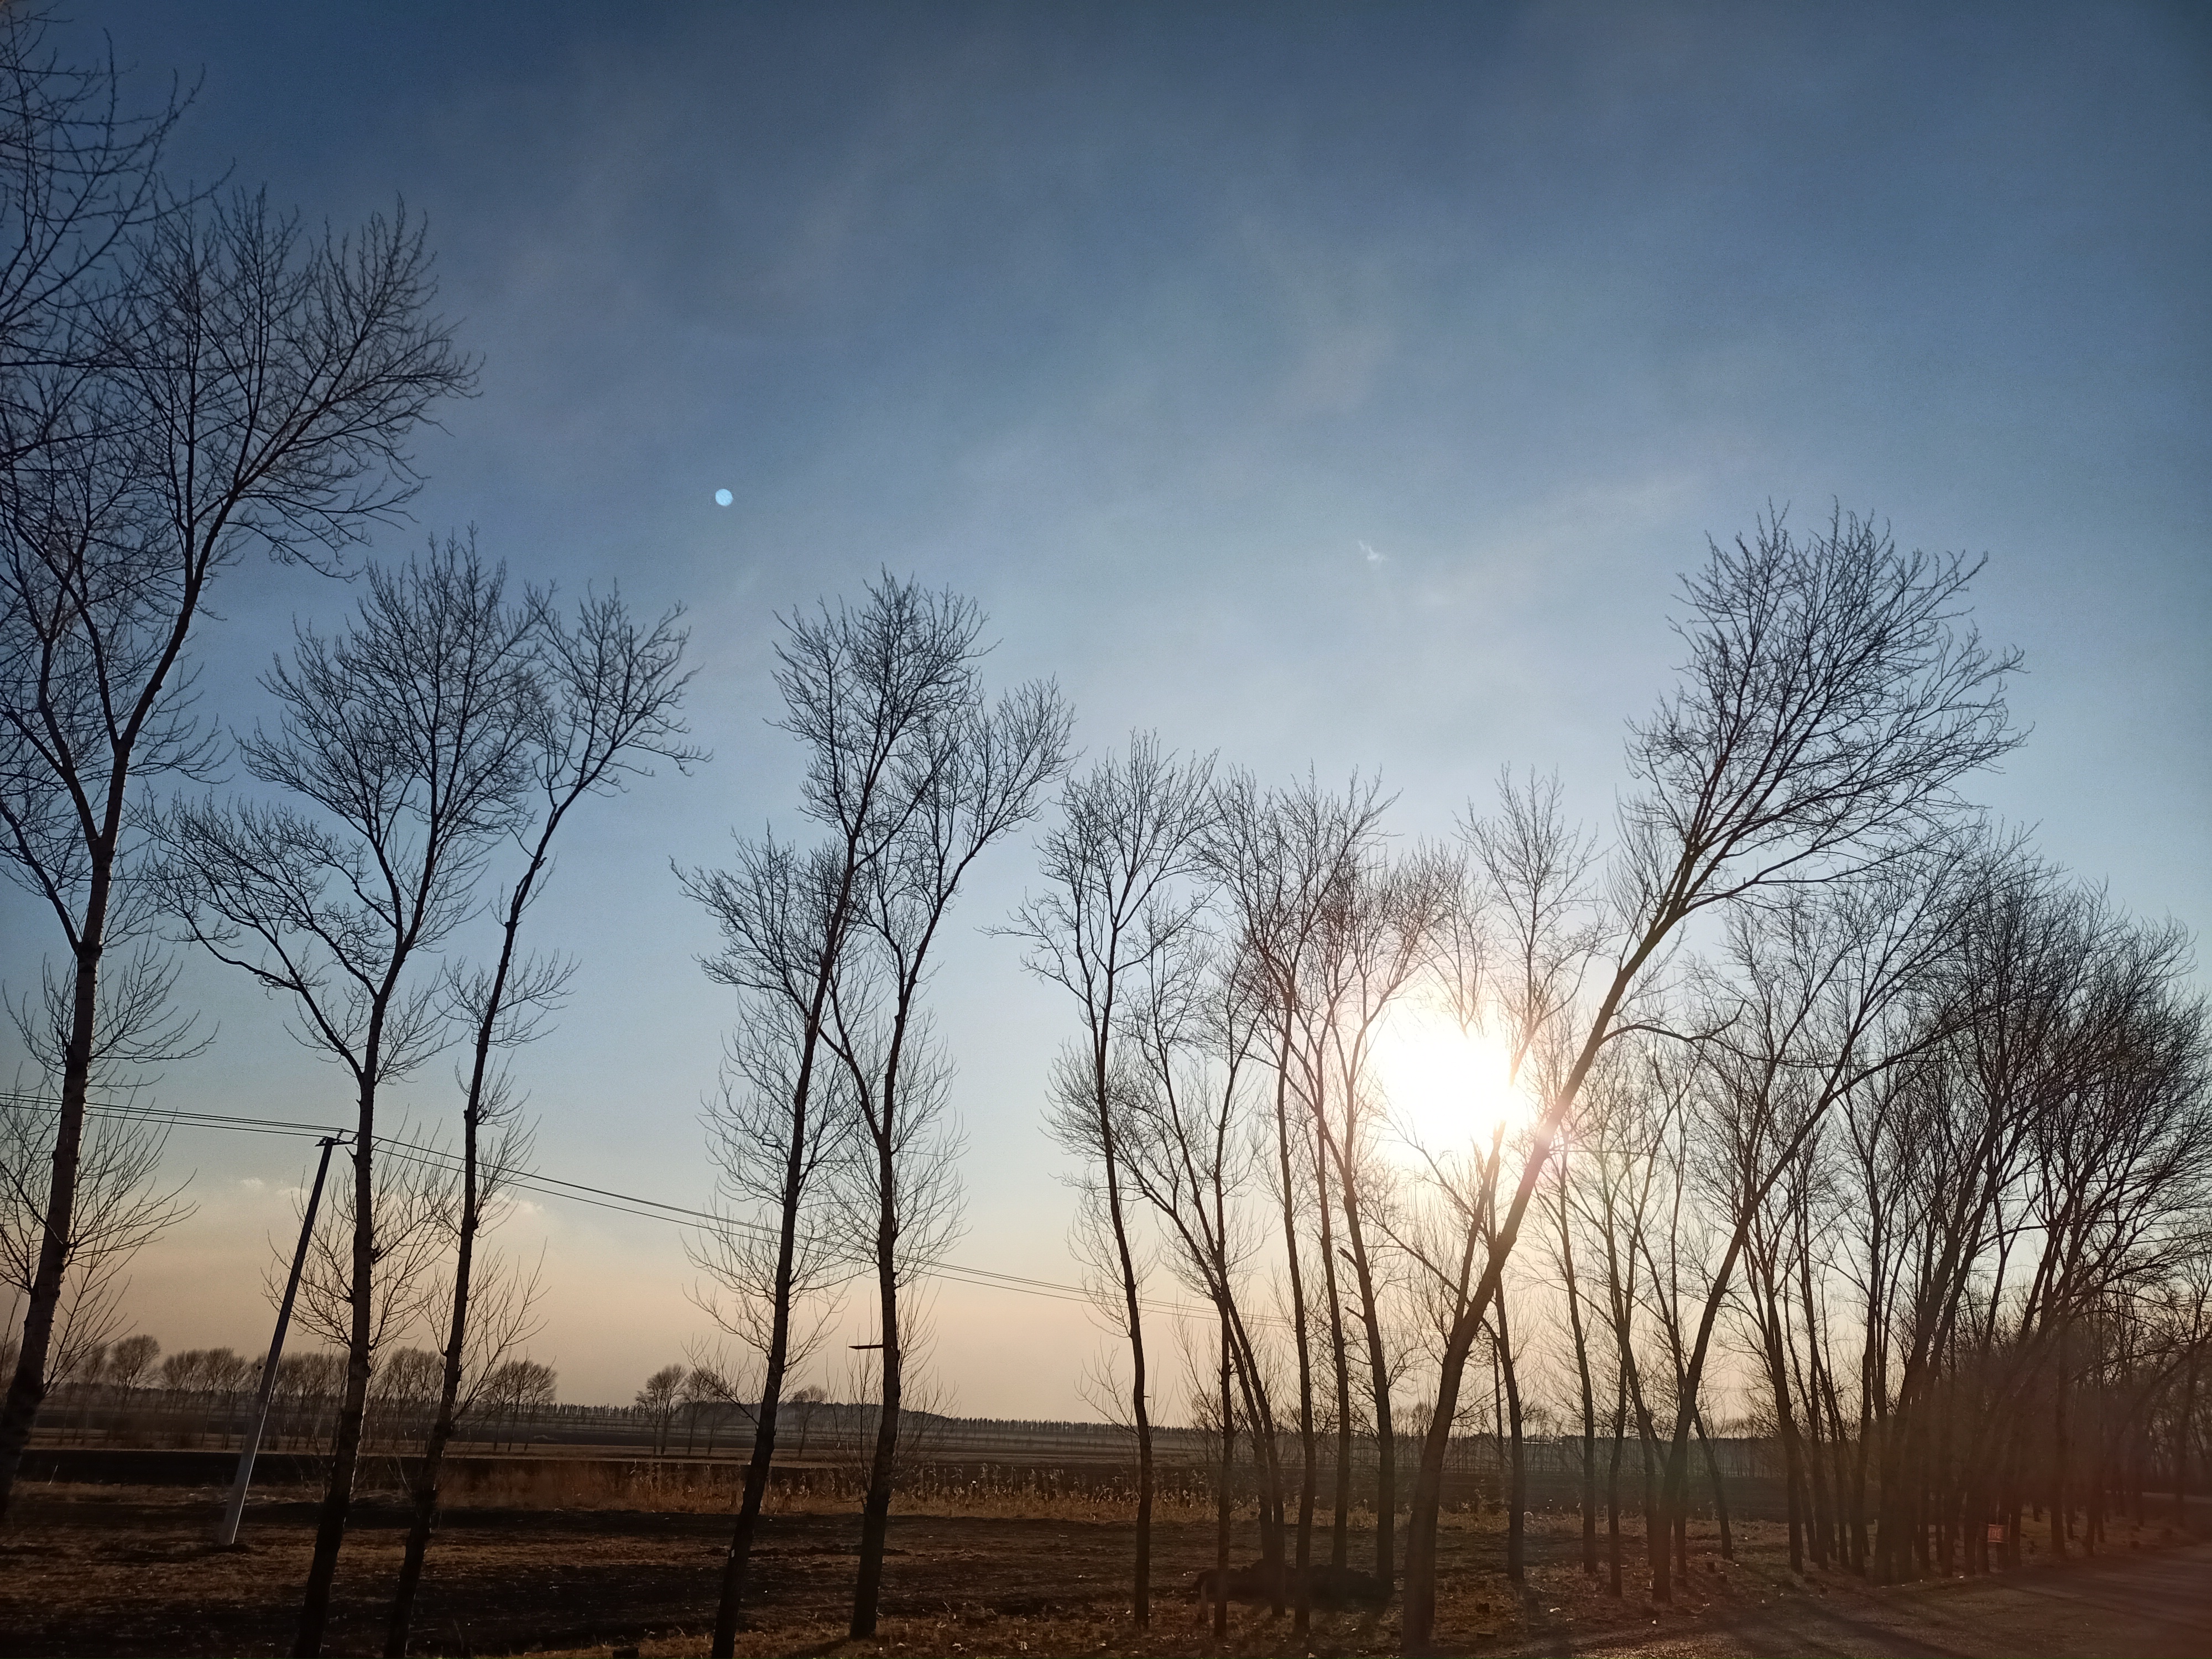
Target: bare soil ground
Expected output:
[129,1571]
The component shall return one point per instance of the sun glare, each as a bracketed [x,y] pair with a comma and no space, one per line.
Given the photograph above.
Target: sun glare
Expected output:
[1446,1088]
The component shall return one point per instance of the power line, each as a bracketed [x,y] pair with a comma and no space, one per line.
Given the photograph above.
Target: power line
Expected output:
[574,1192]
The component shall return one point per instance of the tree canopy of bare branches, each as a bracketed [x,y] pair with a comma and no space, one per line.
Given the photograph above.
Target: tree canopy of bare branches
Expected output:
[401,759]
[181,379]
[1129,833]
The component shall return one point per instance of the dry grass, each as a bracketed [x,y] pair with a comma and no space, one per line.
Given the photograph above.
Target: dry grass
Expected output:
[1175,1632]
[993,1563]
[1007,1492]
[1556,1608]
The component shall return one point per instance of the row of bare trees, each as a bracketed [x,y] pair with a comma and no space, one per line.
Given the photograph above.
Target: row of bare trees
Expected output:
[833,1131]
[1822,1095]
[185,378]
[1828,1100]
[1799,1140]
[198,1393]
[1904,1146]
[445,726]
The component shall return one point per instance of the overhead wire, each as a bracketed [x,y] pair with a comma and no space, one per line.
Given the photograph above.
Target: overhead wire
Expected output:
[575,1192]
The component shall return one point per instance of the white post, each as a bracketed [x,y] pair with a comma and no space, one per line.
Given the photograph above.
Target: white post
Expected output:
[226,1532]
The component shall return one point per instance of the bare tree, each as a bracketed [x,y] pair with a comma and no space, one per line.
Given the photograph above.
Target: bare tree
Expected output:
[866,690]
[658,1400]
[1560,1216]
[130,1360]
[1197,1029]
[1828,711]
[1379,935]
[514,1389]
[241,385]
[121,1206]
[78,177]
[611,694]
[1282,860]
[1128,834]
[1630,1112]
[403,742]
[983,771]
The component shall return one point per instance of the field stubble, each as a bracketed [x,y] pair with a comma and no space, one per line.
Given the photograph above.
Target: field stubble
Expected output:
[598,1563]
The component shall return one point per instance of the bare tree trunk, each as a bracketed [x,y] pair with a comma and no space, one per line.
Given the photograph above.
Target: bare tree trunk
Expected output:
[876,1509]
[1340,1544]
[2059,1495]
[338,1496]
[1809,1390]
[1613,1488]
[1301,1589]
[1266,1452]
[1681,1519]
[2093,1497]
[1786,1423]
[1516,1529]
[1225,1495]
[1840,1467]
[27,1388]
[1141,1410]
[1656,1528]
[1582,1376]
[425,1495]
[1719,1493]
[2181,1431]
[1873,1425]
[1378,1376]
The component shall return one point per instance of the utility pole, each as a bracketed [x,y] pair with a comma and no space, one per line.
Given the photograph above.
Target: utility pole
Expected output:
[226,1532]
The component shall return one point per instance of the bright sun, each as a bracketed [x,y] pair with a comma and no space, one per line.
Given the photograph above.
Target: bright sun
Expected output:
[1446,1087]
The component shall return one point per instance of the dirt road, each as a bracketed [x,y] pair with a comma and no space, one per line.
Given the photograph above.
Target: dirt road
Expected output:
[2152,1605]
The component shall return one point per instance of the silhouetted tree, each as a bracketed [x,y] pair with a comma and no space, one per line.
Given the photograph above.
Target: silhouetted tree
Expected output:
[983,770]
[1128,834]
[178,381]
[1828,713]
[657,1400]
[402,759]
[867,691]
[1282,860]
[608,701]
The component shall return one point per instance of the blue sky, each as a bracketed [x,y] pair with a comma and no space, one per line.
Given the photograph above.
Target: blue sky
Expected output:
[1331,385]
